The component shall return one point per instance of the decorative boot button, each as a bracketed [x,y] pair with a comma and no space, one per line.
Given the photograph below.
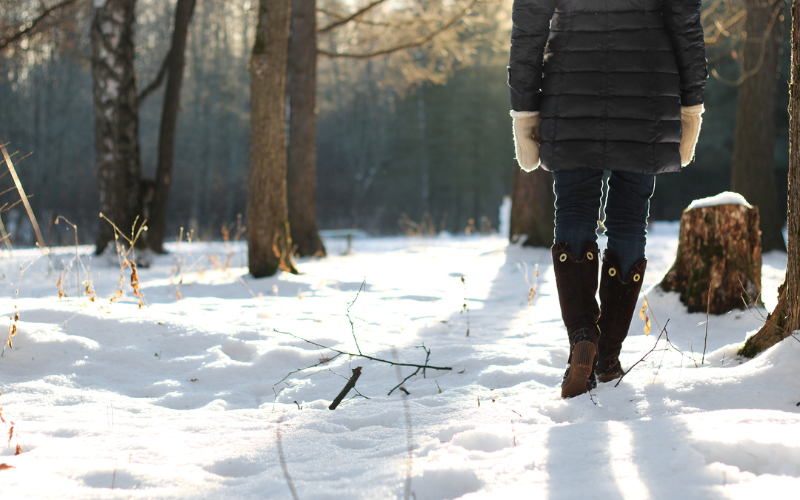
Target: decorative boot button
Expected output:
[637,277]
[590,256]
[612,272]
[563,257]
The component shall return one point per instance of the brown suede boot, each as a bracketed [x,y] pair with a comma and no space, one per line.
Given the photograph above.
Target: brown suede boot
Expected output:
[576,280]
[618,300]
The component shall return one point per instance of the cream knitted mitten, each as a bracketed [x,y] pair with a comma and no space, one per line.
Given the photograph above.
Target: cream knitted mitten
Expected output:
[526,125]
[691,119]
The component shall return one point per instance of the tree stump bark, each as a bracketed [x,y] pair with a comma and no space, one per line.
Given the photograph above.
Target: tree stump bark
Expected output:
[719,259]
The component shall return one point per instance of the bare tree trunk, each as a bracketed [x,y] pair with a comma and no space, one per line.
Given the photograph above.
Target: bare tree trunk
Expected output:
[302,167]
[425,179]
[268,234]
[199,132]
[116,113]
[169,120]
[532,207]
[786,317]
[753,169]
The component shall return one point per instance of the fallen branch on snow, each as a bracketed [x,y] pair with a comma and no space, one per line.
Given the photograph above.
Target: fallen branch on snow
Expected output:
[350,385]
[338,352]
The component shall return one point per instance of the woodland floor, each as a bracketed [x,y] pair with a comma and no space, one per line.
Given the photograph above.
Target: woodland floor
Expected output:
[183,398]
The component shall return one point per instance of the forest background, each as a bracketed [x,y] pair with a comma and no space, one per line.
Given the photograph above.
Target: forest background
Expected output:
[421,135]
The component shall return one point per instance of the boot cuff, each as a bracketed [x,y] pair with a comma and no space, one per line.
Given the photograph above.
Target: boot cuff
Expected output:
[612,267]
[590,250]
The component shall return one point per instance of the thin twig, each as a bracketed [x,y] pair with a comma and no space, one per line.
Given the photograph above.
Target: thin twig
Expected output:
[408,45]
[322,362]
[352,326]
[645,356]
[424,375]
[159,79]
[371,358]
[24,199]
[31,26]
[77,259]
[763,49]
[403,381]
[346,19]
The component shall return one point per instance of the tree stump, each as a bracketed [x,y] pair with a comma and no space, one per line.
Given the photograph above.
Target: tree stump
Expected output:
[719,258]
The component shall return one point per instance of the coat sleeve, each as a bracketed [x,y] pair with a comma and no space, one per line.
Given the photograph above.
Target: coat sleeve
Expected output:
[682,18]
[531,27]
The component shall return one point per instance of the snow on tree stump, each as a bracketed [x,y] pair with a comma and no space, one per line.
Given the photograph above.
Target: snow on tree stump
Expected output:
[719,255]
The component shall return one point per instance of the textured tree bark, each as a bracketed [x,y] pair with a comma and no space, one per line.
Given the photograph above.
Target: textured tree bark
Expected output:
[268,234]
[719,259]
[532,208]
[753,168]
[785,319]
[116,115]
[302,167]
[157,223]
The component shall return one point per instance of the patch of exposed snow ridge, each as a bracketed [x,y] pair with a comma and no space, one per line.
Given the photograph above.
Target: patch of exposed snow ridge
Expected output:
[724,198]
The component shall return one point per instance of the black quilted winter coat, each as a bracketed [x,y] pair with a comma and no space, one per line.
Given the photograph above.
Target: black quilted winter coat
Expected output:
[608,78]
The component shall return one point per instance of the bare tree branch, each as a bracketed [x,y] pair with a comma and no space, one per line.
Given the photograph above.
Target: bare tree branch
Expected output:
[763,49]
[420,21]
[155,84]
[399,24]
[30,28]
[346,19]
[407,45]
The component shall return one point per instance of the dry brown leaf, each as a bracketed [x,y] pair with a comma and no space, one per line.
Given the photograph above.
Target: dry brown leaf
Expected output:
[647,326]
[134,279]
[6,466]
[19,450]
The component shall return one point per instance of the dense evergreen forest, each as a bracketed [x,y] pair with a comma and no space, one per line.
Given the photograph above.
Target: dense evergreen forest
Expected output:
[398,149]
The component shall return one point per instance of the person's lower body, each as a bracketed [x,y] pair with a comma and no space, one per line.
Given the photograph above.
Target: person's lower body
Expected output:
[596,333]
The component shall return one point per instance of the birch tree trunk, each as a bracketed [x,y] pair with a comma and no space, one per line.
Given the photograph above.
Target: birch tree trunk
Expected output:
[753,169]
[116,114]
[302,156]
[268,234]
[169,120]
[786,317]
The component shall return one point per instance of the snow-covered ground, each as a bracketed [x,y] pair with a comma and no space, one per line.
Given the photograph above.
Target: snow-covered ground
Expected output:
[184,398]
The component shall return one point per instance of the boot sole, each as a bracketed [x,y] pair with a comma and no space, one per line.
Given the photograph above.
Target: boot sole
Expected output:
[579,371]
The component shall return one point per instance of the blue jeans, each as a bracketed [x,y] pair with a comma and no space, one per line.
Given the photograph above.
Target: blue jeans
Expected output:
[578,198]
